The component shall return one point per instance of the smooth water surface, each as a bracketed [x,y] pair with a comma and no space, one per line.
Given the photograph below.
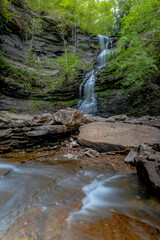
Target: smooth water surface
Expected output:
[41,201]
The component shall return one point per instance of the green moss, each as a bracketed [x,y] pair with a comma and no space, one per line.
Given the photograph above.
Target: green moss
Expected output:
[18,77]
[36,105]
[106,94]
[65,104]
[71,102]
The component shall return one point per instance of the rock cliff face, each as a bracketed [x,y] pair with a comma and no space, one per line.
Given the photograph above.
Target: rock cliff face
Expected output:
[18,37]
[113,98]
[46,43]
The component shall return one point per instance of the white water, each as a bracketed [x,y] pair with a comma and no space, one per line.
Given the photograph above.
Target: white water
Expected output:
[106,195]
[88,103]
[54,188]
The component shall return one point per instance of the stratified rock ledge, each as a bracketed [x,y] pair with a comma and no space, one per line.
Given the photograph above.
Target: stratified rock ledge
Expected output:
[117,136]
[18,131]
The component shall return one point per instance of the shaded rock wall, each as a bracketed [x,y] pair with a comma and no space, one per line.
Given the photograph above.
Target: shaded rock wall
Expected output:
[113,98]
[16,40]
[15,43]
[18,131]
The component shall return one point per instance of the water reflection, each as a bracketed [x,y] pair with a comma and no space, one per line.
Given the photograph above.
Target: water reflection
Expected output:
[77,195]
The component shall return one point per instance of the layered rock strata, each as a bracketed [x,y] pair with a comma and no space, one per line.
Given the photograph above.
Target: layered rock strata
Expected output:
[24,131]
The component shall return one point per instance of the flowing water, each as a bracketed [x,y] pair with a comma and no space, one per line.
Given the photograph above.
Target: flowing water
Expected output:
[87,103]
[55,202]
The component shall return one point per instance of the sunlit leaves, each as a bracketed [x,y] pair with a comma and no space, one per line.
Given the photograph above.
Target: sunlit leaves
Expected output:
[138,54]
[91,15]
[68,64]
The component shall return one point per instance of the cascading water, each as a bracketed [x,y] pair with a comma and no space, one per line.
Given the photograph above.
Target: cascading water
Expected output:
[87,103]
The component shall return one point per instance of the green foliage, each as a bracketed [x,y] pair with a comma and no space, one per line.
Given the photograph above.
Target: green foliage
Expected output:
[136,22]
[136,58]
[4,10]
[35,26]
[18,77]
[92,15]
[107,93]
[30,58]
[36,105]
[68,64]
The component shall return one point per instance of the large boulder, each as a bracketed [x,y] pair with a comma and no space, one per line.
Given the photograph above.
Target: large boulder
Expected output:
[116,136]
[148,167]
[72,118]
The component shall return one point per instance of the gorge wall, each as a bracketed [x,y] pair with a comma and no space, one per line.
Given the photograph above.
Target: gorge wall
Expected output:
[18,39]
[25,88]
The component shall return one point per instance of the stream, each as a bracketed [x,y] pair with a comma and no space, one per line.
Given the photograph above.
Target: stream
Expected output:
[69,200]
[63,201]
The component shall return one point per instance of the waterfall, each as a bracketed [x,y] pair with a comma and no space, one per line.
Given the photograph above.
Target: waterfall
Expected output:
[87,103]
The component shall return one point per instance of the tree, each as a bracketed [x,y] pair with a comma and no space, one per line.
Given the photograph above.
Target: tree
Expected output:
[68,64]
[92,15]
[138,54]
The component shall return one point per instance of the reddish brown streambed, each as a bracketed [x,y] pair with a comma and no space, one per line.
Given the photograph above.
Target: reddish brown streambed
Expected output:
[58,198]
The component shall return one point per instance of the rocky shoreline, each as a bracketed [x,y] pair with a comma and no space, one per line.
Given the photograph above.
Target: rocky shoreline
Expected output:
[115,141]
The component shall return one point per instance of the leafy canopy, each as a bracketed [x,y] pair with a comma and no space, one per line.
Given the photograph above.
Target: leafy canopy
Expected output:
[137,56]
[92,15]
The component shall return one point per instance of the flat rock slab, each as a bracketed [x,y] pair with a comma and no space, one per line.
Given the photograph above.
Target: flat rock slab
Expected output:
[116,136]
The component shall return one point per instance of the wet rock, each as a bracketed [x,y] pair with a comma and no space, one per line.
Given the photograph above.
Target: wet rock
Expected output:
[72,118]
[148,172]
[148,167]
[108,136]
[131,156]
